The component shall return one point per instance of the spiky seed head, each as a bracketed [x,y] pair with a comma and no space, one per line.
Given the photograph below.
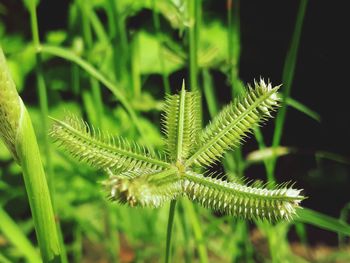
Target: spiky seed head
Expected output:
[140,179]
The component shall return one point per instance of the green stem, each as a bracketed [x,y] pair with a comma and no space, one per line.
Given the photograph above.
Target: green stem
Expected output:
[38,194]
[135,67]
[194,19]
[197,230]
[42,91]
[110,242]
[184,226]
[44,111]
[156,23]
[234,45]
[169,230]
[112,31]
[95,87]
[15,235]
[234,50]
[19,136]
[114,88]
[287,78]
[122,57]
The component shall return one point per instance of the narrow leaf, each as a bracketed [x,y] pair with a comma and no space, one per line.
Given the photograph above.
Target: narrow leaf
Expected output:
[15,235]
[303,108]
[323,221]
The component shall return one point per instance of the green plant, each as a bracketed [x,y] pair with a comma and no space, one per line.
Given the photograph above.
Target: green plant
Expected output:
[140,177]
[18,134]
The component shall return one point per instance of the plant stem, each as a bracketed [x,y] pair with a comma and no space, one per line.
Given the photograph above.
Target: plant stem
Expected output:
[95,87]
[15,235]
[184,225]
[110,241]
[42,92]
[44,110]
[287,78]
[38,195]
[114,88]
[194,20]
[234,50]
[123,65]
[19,136]
[197,230]
[234,45]
[169,230]
[156,23]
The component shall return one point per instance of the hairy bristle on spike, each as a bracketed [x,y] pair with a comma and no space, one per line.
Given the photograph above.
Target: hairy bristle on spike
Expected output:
[191,123]
[240,200]
[137,176]
[234,123]
[145,189]
[98,150]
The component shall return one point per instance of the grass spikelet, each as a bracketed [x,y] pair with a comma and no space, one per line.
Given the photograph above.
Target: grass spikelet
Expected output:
[102,151]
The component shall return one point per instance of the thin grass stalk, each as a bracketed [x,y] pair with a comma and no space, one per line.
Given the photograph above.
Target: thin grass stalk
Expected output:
[135,67]
[194,18]
[17,132]
[42,92]
[123,48]
[179,152]
[184,226]
[113,87]
[156,22]
[95,87]
[234,45]
[234,50]
[110,242]
[194,7]
[287,79]
[15,235]
[197,230]
[112,32]
[75,80]
[169,230]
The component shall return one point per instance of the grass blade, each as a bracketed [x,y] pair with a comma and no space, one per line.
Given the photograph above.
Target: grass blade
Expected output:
[287,79]
[18,133]
[304,109]
[323,221]
[169,230]
[70,56]
[15,235]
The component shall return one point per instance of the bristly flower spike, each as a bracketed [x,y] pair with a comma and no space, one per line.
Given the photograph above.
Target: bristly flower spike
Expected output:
[140,177]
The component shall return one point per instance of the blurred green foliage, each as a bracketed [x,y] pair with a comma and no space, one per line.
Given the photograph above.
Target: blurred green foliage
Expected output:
[140,49]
